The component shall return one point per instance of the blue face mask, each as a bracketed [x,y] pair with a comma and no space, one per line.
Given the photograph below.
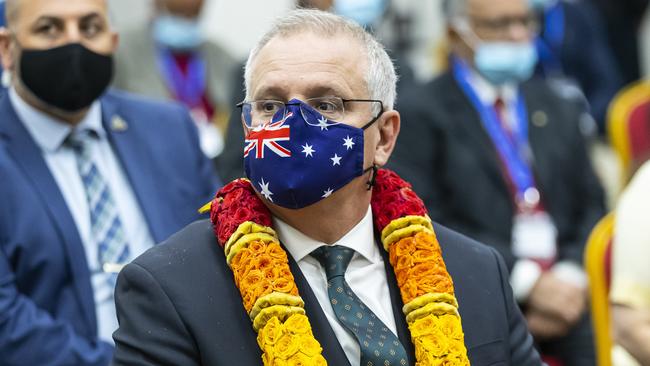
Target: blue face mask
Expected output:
[364,12]
[302,158]
[503,62]
[177,33]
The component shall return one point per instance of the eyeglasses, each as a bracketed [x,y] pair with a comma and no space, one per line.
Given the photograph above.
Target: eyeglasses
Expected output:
[503,25]
[259,112]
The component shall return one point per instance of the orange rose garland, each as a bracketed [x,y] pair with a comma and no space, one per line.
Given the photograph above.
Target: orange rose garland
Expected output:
[426,287]
[242,225]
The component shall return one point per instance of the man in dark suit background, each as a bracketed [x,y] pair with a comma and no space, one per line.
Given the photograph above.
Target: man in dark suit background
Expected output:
[89,181]
[178,304]
[501,158]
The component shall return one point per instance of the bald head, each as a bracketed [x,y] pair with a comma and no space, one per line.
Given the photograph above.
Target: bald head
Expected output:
[45,24]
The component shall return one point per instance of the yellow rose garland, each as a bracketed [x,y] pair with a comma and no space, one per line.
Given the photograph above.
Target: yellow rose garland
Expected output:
[261,271]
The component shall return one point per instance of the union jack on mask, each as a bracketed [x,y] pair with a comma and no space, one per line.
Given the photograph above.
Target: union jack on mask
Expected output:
[300,157]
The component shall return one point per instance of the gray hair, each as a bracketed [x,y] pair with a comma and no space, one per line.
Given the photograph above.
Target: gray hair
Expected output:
[381,78]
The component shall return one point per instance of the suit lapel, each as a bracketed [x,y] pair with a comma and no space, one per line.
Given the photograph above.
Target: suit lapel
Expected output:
[28,156]
[129,144]
[332,350]
[467,118]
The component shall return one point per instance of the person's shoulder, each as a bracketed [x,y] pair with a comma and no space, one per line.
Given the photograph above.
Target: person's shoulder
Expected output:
[127,100]
[161,114]
[458,245]
[431,89]
[188,255]
[217,51]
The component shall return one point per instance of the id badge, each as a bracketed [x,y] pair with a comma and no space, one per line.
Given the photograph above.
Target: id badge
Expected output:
[534,236]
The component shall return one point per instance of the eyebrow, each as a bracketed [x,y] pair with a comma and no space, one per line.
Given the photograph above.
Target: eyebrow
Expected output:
[58,19]
[90,17]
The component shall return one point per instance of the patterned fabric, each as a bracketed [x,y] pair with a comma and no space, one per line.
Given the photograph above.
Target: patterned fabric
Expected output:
[379,346]
[106,227]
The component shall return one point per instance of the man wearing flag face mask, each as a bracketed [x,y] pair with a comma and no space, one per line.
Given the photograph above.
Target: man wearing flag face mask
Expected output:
[319,125]
[170,58]
[500,158]
[90,179]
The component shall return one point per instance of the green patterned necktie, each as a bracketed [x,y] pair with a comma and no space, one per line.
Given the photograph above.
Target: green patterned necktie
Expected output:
[379,346]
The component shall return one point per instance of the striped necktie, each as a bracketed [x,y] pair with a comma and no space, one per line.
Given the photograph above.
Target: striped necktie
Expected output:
[379,346]
[106,227]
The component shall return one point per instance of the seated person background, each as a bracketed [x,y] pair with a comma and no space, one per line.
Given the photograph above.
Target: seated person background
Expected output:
[90,179]
[332,86]
[630,289]
[574,54]
[170,58]
[501,159]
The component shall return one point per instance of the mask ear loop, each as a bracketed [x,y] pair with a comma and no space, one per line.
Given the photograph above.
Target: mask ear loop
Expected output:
[373,177]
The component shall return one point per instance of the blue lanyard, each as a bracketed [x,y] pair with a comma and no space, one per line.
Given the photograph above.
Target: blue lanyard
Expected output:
[188,88]
[512,151]
[549,44]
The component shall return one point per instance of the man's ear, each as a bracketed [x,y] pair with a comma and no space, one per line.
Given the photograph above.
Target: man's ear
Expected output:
[115,39]
[6,58]
[389,125]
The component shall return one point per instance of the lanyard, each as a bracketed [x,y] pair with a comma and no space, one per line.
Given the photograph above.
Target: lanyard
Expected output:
[188,88]
[513,151]
[549,44]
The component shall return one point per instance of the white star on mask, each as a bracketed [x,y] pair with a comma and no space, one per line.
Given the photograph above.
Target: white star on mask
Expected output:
[336,160]
[327,193]
[308,150]
[322,123]
[348,143]
[265,190]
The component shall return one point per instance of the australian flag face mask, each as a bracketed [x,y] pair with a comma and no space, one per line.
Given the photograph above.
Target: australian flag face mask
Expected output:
[300,157]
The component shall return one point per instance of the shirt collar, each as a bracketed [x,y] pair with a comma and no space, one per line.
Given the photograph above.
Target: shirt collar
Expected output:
[361,239]
[49,132]
[488,93]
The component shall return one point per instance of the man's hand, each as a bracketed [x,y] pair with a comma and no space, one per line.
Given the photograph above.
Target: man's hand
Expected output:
[553,298]
[544,327]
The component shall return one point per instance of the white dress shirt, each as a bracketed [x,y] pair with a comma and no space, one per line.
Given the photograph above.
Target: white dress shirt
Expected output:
[366,275]
[49,134]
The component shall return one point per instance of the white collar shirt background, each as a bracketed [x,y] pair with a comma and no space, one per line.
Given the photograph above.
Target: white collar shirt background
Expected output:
[366,275]
[49,135]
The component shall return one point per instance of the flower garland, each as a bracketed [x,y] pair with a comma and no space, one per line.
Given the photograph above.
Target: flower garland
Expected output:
[242,225]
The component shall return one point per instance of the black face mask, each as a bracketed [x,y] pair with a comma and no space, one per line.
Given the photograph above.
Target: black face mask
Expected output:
[69,77]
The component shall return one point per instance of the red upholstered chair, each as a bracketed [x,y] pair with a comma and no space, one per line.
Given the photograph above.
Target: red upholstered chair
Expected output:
[629,126]
[598,258]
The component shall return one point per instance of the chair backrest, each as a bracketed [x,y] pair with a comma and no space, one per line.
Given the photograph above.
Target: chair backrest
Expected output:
[598,267]
[629,126]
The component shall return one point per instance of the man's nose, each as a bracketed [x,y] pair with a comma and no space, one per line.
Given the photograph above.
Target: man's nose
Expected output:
[71,33]
[518,32]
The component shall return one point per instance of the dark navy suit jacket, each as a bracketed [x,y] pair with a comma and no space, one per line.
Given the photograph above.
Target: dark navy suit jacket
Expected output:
[47,311]
[177,304]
